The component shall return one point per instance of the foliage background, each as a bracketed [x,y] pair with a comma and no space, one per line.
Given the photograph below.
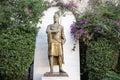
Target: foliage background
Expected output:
[98,30]
[18,20]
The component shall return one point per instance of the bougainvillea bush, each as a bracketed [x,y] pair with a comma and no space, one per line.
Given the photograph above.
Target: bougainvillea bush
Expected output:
[96,24]
[18,20]
[99,28]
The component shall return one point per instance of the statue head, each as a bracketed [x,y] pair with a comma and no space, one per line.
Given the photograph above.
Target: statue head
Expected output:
[56,17]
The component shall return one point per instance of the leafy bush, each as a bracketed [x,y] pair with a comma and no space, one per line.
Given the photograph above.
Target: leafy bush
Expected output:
[111,75]
[18,20]
[99,28]
[96,24]
[101,57]
[16,51]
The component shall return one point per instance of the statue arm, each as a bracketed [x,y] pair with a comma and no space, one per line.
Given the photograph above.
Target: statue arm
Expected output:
[48,31]
[49,34]
[63,36]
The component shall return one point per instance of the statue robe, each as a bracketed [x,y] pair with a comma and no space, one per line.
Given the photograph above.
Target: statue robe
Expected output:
[55,43]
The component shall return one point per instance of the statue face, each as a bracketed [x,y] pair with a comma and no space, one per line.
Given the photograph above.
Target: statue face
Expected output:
[56,18]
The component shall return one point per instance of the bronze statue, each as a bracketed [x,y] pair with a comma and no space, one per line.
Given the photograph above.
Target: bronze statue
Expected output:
[56,39]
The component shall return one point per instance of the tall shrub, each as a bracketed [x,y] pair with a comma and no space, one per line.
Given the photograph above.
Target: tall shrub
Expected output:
[99,28]
[18,20]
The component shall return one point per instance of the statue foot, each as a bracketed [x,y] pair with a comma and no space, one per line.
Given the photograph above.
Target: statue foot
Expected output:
[51,71]
[61,71]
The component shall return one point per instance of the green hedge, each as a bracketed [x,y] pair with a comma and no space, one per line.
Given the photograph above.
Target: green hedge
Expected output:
[16,51]
[18,20]
[111,75]
[101,57]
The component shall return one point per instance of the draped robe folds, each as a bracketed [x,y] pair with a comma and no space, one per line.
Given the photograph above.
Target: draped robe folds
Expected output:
[55,43]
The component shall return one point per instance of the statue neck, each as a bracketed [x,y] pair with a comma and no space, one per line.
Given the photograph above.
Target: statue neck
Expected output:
[56,23]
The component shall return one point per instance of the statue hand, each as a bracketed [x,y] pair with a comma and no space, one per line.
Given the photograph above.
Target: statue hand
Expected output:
[54,31]
[63,42]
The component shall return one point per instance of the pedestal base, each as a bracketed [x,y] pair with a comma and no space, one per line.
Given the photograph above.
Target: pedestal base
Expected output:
[55,78]
[55,74]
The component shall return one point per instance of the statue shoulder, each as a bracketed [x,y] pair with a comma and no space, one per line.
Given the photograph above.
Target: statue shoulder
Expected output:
[49,25]
[61,26]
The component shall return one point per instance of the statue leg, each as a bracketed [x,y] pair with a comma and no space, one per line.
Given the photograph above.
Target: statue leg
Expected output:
[60,64]
[51,63]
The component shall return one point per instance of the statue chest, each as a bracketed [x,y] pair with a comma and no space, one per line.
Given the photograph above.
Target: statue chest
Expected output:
[57,36]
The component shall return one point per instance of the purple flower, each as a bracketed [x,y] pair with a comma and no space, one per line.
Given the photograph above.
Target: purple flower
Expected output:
[118,32]
[113,21]
[27,6]
[97,28]
[89,36]
[92,11]
[30,13]
[61,3]
[85,21]
[119,22]
[11,7]
[89,1]
[89,12]
[71,4]
[81,31]
[107,0]
[72,26]
[60,8]
[80,23]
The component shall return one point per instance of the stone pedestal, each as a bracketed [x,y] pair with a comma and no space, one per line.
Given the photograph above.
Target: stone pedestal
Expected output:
[55,74]
[55,78]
